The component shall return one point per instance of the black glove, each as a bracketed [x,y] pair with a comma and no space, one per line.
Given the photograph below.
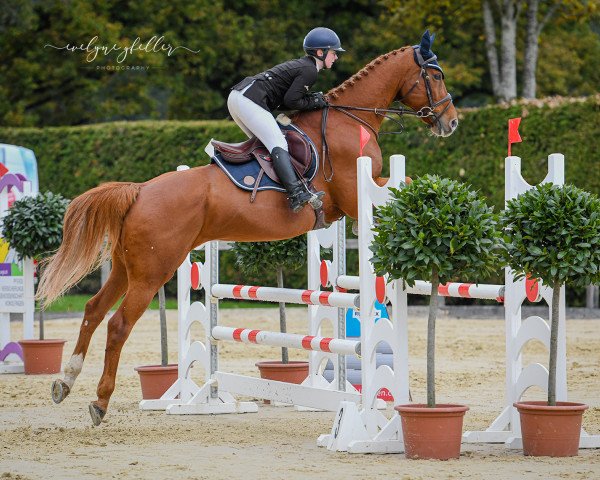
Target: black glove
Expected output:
[317,101]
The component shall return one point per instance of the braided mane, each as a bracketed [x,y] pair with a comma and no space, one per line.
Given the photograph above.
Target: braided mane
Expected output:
[362,73]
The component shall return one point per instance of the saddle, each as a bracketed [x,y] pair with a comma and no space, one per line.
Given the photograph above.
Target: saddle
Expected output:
[238,153]
[248,164]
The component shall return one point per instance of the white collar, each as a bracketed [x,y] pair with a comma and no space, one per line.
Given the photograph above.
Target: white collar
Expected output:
[317,64]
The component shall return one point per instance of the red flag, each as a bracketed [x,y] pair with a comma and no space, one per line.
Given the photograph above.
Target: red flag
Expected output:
[364,138]
[513,132]
[3,170]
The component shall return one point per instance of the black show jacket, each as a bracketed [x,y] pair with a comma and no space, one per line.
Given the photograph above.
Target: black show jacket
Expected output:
[284,86]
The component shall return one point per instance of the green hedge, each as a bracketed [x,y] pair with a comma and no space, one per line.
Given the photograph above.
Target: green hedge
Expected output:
[479,145]
[74,159]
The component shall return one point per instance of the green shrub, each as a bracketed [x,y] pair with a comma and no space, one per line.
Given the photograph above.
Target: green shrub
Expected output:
[553,233]
[33,225]
[435,229]
[75,159]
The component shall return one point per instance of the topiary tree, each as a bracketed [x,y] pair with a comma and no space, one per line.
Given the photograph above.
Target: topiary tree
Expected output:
[553,233]
[437,229]
[33,228]
[257,257]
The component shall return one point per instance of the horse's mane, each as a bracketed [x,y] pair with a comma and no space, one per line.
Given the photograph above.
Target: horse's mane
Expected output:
[362,73]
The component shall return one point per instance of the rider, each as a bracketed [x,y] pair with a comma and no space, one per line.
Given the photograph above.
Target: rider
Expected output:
[285,85]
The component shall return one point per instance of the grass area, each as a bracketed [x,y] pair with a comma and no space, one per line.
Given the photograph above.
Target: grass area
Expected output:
[76,303]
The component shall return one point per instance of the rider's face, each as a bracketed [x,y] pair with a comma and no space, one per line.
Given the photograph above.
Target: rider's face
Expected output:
[330,58]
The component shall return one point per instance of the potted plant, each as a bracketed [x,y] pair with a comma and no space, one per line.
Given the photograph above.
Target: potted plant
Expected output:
[156,379]
[437,229]
[257,258]
[553,234]
[33,228]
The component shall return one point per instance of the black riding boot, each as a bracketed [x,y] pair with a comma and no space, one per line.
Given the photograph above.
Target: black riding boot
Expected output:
[298,195]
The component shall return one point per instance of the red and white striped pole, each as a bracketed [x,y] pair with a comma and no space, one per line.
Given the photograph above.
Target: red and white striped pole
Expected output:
[450,289]
[290,340]
[286,295]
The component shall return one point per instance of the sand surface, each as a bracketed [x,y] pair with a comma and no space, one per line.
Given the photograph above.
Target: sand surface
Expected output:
[43,440]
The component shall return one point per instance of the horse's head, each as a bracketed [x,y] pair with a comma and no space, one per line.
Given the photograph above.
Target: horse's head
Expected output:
[425,92]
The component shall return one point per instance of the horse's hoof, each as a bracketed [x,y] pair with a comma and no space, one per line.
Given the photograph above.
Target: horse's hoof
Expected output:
[97,414]
[60,391]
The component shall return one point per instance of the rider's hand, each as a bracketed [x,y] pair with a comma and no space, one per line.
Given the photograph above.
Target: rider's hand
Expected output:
[318,101]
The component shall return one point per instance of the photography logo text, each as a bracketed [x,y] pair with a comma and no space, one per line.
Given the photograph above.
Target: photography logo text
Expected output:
[93,49]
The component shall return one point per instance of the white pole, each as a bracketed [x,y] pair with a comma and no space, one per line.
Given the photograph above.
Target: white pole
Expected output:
[290,340]
[451,289]
[287,295]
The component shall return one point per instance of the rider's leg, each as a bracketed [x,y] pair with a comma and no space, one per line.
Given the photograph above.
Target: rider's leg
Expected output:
[262,124]
[298,195]
[232,107]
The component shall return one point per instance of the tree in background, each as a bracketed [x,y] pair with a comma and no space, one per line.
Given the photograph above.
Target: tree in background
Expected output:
[43,86]
[512,30]
[504,16]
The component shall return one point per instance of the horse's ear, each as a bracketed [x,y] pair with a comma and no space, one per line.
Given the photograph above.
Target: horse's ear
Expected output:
[426,43]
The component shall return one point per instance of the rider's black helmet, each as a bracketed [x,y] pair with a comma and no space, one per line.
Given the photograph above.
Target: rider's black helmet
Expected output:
[324,39]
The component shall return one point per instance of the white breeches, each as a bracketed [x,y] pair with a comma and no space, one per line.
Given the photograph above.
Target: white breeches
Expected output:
[255,121]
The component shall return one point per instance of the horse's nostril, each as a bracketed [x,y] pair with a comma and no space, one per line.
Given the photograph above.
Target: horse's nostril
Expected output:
[454,123]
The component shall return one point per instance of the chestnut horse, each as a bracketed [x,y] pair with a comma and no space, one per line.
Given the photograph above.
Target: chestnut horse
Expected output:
[149,228]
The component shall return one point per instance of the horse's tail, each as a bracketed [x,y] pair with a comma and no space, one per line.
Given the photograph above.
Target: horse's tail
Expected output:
[91,230]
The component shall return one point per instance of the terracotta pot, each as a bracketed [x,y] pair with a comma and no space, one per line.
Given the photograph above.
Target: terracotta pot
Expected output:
[551,431]
[292,372]
[42,356]
[156,379]
[432,433]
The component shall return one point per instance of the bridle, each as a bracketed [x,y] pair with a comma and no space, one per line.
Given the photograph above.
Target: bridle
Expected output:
[423,112]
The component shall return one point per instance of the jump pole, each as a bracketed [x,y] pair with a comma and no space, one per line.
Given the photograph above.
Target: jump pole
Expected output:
[364,429]
[451,289]
[289,340]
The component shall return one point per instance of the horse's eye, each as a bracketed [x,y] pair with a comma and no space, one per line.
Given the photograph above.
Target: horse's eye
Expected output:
[437,76]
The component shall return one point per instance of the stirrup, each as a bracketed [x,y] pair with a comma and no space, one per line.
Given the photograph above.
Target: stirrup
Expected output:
[299,199]
[315,200]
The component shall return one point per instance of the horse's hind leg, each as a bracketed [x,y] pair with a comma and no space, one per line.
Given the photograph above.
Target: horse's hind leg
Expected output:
[134,304]
[95,311]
